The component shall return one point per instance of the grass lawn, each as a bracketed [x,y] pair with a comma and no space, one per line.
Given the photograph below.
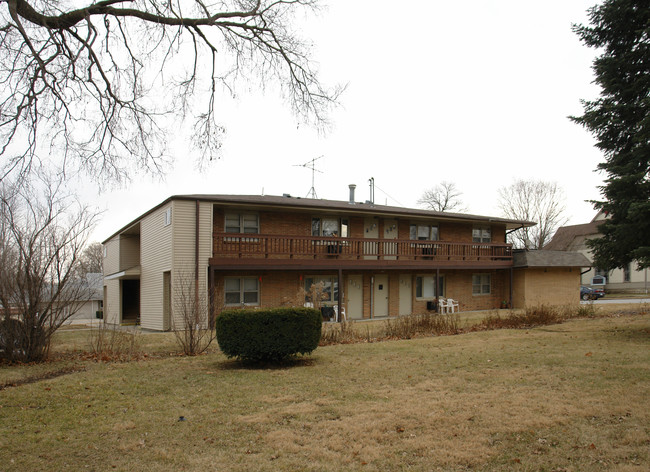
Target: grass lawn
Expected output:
[568,397]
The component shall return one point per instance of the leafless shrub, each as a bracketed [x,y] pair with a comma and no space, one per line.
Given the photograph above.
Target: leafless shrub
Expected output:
[339,333]
[533,316]
[109,343]
[191,319]
[406,327]
[315,295]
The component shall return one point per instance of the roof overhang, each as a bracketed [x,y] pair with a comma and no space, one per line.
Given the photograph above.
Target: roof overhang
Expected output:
[131,273]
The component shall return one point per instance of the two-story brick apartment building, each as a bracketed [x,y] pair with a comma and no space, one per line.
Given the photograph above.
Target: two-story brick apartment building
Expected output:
[260,251]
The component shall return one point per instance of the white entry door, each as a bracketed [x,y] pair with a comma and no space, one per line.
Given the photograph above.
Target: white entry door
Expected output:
[405,294]
[380,296]
[390,232]
[354,310]
[370,231]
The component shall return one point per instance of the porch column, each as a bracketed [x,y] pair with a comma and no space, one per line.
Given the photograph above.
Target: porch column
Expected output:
[511,279]
[340,295]
[437,300]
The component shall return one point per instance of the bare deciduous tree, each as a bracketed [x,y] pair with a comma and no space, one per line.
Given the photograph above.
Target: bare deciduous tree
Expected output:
[96,81]
[536,201]
[191,321]
[92,259]
[43,234]
[443,197]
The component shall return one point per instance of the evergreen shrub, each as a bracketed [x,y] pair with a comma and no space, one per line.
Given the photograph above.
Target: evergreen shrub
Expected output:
[268,335]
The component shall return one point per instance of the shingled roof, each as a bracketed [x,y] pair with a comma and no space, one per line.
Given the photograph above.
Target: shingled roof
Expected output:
[565,235]
[544,258]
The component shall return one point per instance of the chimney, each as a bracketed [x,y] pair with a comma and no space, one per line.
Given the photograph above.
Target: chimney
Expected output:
[352,187]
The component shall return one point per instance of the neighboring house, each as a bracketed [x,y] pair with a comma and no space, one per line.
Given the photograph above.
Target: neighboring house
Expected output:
[89,290]
[89,308]
[265,251]
[574,238]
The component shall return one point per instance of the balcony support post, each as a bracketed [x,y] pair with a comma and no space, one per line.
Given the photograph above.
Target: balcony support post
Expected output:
[340,295]
[510,295]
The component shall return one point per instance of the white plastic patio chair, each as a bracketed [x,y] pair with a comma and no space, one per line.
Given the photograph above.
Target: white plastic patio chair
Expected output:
[336,312]
[442,305]
[452,305]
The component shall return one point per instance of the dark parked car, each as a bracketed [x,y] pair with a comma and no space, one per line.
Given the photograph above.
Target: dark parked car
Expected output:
[588,293]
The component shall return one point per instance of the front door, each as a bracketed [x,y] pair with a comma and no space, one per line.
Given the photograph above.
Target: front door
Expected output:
[370,231]
[380,296]
[390,232]
[405,294]
[355,297]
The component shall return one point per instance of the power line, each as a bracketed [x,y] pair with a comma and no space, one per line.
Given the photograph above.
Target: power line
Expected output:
[384,192]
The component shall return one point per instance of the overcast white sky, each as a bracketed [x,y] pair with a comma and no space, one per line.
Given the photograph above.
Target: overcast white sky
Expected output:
[475,92]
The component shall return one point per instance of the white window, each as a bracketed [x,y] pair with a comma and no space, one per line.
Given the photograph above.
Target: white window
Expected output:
[330,226]
[242,223]
[481,284]
[425,287]
[424,232]
[105,251]
[482,235]
[168,216]
[330,287]
[240,291]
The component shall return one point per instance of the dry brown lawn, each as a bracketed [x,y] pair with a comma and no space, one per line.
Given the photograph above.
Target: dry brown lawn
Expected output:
[573,396]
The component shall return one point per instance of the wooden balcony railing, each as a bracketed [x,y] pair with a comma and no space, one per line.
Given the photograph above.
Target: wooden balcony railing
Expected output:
[246,246]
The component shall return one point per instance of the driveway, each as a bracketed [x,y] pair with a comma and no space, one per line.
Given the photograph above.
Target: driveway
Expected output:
[613,301]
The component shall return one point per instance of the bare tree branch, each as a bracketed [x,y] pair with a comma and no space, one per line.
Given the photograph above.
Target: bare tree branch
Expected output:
[43,235]
[537,201]
[443,197]
[103,93]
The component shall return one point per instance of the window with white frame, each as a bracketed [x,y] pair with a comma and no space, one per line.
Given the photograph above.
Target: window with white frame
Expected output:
[481,284]
[482,234]
[242,291]
[242,223]
[425,287]
[168,216]
[424,232]
[330,226]
[330,287]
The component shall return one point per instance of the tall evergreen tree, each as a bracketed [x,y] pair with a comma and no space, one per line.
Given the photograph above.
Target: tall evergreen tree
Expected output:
[620,121]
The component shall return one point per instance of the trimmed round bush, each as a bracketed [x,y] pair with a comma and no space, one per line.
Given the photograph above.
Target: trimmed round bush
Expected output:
[268,335]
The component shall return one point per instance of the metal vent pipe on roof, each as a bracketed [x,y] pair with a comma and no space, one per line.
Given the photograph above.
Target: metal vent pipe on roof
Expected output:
[352,187]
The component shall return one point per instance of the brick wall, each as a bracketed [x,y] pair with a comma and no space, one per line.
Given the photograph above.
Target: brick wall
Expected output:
[299,224]
[551,286]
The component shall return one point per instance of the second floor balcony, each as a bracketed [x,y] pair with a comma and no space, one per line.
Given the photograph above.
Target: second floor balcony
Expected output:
[233,250]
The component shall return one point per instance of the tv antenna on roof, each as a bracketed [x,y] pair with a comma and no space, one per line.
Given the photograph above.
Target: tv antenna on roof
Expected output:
[311,165]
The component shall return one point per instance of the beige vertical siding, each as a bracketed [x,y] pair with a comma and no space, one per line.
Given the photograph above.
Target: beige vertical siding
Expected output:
[129,251]
[155,258]
[112,260]
[184,237]
[112,304]
[111,265]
